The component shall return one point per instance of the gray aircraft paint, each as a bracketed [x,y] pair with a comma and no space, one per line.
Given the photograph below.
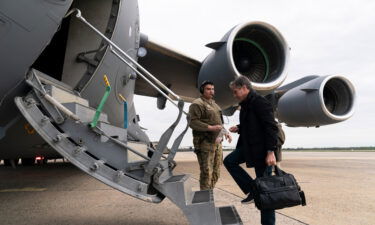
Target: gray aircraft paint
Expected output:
[94,89]
[4,129]
[81,39]
[24,37]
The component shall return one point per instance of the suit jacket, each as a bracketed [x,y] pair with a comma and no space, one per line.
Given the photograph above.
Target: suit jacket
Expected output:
[257,129]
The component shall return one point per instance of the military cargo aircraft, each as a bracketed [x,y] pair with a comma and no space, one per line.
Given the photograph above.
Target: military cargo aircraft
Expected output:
[54,102]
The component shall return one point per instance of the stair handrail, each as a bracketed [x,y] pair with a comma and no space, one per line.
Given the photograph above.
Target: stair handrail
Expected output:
[146,72]
[130,62]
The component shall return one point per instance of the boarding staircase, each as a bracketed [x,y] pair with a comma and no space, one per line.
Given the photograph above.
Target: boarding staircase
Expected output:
[64,120]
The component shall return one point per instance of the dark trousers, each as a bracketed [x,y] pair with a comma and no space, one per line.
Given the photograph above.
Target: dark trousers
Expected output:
[232,163]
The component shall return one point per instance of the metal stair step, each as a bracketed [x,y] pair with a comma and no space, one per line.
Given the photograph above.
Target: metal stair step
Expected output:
[180,187]
[104,161]
[229,215]
[177,178]
[204,196]
[199,206]
[64,96]
[113,131]
[85,114]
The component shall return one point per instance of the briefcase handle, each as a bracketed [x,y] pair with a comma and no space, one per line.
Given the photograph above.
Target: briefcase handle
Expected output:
[278,171]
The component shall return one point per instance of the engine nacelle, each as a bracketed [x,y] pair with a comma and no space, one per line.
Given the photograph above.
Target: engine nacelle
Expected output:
[256,50]
[317,101]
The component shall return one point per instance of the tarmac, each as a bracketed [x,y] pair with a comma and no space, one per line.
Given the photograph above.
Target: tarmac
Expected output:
[339,187]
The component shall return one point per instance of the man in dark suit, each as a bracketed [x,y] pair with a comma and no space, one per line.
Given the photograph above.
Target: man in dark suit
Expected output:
[256,143]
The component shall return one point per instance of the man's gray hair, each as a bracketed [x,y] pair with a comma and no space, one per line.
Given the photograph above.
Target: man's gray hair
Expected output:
[240,82]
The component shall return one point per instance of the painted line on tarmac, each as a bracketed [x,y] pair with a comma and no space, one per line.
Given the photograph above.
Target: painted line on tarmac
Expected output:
[26,189]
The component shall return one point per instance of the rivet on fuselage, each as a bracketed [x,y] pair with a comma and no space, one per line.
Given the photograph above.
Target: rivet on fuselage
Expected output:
[58,138]
[94,167]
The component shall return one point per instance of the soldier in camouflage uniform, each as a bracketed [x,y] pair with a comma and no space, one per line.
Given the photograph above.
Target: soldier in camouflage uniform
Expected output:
[206,123]
[280,142]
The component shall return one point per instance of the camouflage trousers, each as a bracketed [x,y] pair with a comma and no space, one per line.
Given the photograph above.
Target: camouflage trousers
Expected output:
[210,158]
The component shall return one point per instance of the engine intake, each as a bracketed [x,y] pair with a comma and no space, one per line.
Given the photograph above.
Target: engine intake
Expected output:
[256,50]
[319,101]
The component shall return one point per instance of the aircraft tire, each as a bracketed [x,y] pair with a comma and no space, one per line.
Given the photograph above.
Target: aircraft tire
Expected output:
[7,162]
[10,162]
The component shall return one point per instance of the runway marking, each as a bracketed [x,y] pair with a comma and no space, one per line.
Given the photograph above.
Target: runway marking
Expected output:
[26,189]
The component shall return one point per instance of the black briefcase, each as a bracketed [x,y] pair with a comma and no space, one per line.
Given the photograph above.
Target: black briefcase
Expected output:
[277,191]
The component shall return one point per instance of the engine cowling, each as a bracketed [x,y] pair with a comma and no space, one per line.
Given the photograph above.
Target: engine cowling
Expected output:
[317,101]
[256,50]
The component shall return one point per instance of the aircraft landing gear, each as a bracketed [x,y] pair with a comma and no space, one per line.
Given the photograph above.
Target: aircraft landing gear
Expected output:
[28,161]
[11,162]
[6,162]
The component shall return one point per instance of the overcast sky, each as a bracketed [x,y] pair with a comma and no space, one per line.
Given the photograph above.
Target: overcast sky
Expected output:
[326,37]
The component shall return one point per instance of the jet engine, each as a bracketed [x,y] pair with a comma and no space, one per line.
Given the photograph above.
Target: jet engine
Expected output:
[316,101]
[256,50]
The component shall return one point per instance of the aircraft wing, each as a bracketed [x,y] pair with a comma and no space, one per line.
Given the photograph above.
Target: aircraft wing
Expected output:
[176,70]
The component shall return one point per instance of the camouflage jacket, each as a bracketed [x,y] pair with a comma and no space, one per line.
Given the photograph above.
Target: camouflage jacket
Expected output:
[204,112]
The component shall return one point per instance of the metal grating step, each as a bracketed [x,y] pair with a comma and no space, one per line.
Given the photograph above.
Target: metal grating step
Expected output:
[229,216]
[203,197]
[176,178]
